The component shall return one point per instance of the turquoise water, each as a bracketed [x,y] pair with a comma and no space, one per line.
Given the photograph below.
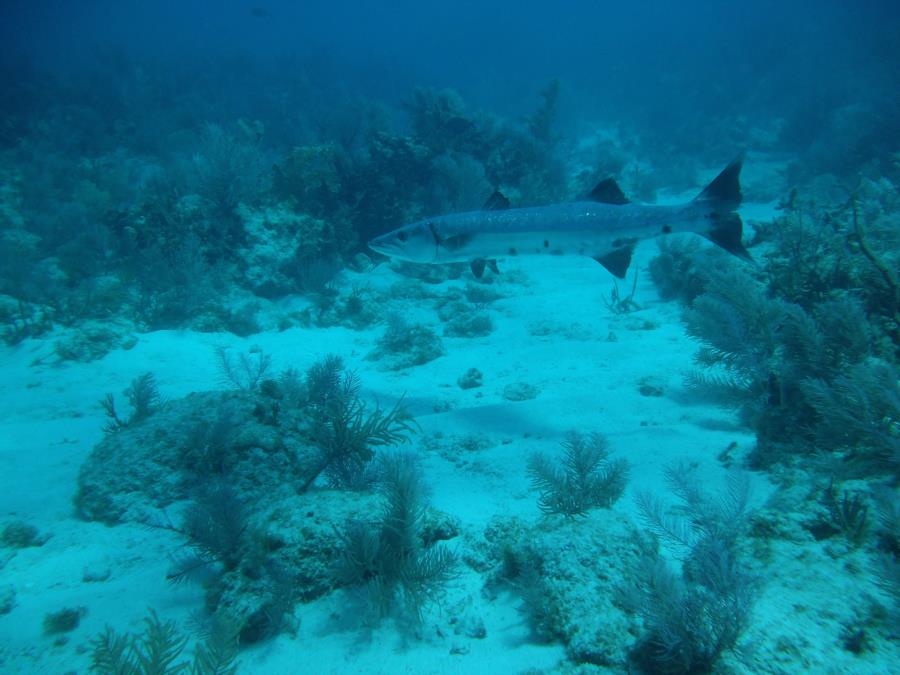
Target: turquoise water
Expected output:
[237,439]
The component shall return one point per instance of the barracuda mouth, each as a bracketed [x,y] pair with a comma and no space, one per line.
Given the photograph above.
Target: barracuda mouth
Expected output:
[401,245]
[384,246]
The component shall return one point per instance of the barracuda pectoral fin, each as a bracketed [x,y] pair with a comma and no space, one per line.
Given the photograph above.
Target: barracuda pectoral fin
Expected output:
[496,202]
[726,232]
[477,266]
[617,260]
[454,242]
[607,191]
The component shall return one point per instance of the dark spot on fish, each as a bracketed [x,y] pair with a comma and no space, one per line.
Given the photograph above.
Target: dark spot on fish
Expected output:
[513,251]
[617,243]
[581,251]
[667,229]
[402,236]
[546,243]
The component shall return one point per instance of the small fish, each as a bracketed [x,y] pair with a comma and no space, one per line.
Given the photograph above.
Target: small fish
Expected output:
[605,226]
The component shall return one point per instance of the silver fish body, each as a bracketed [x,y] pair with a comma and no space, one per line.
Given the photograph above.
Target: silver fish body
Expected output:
[608,232]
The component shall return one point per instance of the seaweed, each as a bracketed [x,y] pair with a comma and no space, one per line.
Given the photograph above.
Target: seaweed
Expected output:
[440,121]
[207,447]
[229,169]
[806,380]
[143,395]
[699,516]
[858,412]
[323,380]
[810,258]
[153,652]
[248,371]
[311,178]
[737,323]
[144,398]
[217,653]
[345,430]
[619,305]
[157,651]
[585,479]
[848,514]
[823,250]
[214,525]
[693,617]
[807,357]
[389,557]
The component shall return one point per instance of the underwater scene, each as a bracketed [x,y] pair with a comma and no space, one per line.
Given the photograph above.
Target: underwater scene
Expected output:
[449,338]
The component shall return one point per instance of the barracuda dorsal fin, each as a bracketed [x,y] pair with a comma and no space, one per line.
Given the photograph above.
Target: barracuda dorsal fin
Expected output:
[724,192]
[617,260]
[607,191]
[496,202]
[477,266]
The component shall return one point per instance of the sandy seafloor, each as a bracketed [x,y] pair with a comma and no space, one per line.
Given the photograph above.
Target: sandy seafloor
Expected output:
[552,331]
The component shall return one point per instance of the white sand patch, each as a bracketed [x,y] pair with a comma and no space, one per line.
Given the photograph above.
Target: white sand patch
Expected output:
[588,369]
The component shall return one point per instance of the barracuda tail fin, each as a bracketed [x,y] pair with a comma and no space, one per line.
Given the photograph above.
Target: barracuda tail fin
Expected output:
[720,199]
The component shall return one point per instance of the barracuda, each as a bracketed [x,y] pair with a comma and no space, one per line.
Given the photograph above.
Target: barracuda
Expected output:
[605,226]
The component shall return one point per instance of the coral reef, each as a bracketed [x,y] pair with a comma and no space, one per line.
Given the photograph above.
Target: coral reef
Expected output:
[814,377]
[239,467]
[305,425]
[236,195]
[568,572]
[405,344]
[154,236]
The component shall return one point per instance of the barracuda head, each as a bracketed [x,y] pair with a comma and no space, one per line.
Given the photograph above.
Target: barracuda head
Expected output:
[418,242]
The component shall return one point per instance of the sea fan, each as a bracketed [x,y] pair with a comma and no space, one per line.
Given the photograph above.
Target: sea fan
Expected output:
[584,480]
[389,557]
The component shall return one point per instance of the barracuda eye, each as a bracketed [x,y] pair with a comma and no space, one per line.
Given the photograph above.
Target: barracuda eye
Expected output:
[402,236]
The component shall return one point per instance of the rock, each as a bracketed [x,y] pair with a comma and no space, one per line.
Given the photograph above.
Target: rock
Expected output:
[471,379]
[520,391]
